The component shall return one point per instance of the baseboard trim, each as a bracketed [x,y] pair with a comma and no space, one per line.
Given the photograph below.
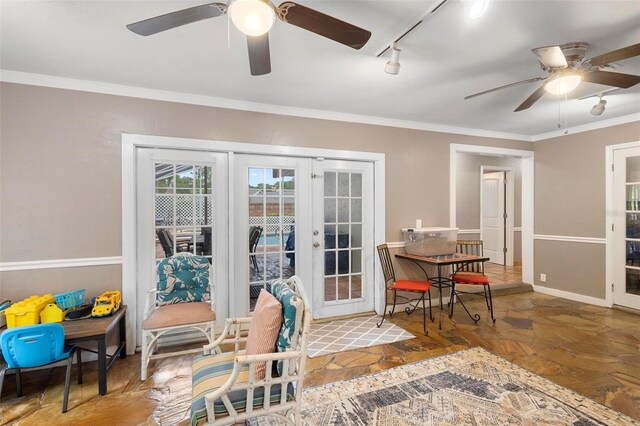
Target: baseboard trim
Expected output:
[571,296]
[60,263]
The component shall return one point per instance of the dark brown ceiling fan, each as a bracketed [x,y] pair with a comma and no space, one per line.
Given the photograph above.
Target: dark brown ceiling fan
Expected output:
[567,68]
[255,18]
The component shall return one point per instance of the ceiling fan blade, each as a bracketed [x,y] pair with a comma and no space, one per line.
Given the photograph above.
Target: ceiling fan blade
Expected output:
[259,55]
[551,56]
[178,18]
[615,55]
[535,96]
[531,80]
[324,25]
[614,79]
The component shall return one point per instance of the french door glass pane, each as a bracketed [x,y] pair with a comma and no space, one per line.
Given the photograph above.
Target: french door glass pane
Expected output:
[183,210]
[272,209]
[342,236]
[633,225]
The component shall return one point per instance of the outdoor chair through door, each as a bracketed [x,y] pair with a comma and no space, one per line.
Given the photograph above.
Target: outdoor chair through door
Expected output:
[254,236]
[391,284]
[471,274]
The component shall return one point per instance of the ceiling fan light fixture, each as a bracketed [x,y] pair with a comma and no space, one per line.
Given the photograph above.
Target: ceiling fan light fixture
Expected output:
[563,84]
[393,65]
[252,17]
[478,8]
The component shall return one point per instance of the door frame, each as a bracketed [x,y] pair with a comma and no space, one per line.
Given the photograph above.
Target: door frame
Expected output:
[527,184]
[130,143]
[509,207]
[609,263]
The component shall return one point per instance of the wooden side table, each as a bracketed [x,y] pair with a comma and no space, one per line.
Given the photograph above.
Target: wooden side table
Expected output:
[98,330]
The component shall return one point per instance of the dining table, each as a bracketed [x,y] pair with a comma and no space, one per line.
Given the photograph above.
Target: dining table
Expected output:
[443,279]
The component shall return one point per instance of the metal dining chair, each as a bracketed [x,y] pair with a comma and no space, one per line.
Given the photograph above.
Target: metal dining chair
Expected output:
[391,284]
[471,274]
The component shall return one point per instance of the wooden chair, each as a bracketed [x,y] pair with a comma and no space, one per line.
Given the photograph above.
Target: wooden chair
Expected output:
[471,274]
[182,301]
[225,387]
[422,287]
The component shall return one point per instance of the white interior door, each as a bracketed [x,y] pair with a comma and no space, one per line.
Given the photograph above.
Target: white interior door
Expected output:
[181,207]
[343,238]
[492,226]
[272,202]
[626,198]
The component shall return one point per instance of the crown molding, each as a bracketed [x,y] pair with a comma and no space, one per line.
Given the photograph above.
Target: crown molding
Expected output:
[630,118]
[19,77]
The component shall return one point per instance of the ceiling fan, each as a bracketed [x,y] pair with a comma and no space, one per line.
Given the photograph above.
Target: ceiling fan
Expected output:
[255,18]
[567,68]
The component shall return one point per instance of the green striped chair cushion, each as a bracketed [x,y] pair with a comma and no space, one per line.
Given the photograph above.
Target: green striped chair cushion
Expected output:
[212,371]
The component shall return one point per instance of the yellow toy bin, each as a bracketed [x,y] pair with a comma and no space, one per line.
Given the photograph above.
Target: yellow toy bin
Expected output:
[51,313]
[27,311]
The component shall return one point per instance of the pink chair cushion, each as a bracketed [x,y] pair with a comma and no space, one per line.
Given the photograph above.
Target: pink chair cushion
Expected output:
[470,278]
[179,314]
[264,329]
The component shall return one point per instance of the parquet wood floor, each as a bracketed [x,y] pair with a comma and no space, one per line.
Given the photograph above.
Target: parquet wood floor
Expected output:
[592,350]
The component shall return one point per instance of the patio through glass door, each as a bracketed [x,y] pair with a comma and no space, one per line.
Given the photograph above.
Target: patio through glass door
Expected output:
[319,226]
[181,207]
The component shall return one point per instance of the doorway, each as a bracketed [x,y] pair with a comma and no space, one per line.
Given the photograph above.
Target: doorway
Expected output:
[625,229]
[497,213]
[310,217]
[525,203]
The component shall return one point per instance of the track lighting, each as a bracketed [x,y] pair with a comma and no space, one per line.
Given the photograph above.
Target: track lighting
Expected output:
[393,65]
[478,8]
[599,108]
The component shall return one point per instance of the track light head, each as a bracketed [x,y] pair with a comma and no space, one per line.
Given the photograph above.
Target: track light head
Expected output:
[599,108]
[393,65]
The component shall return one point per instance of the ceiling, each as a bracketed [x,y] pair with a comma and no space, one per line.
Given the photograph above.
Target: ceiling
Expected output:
[446,58]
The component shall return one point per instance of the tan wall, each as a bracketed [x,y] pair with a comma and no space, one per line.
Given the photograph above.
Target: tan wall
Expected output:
[468,193]
[61,170]
[570,201]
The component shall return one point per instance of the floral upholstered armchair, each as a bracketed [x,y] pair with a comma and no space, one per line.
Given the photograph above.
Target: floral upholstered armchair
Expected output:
[181,301]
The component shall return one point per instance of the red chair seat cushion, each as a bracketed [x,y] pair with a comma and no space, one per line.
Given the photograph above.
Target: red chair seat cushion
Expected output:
[470,278]
[407,285]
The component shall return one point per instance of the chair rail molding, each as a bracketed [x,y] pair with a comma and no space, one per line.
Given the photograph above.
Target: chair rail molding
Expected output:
[570,239]
[60,263]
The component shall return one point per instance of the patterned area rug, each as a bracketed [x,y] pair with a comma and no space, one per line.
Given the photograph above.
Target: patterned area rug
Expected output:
[470,387]
[353,333]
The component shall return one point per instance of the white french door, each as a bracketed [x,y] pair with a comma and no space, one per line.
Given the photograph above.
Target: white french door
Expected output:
[181,207]
[314,219]
[626,242]
[271,223]
[343,238]
[259,218]
[493,220]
